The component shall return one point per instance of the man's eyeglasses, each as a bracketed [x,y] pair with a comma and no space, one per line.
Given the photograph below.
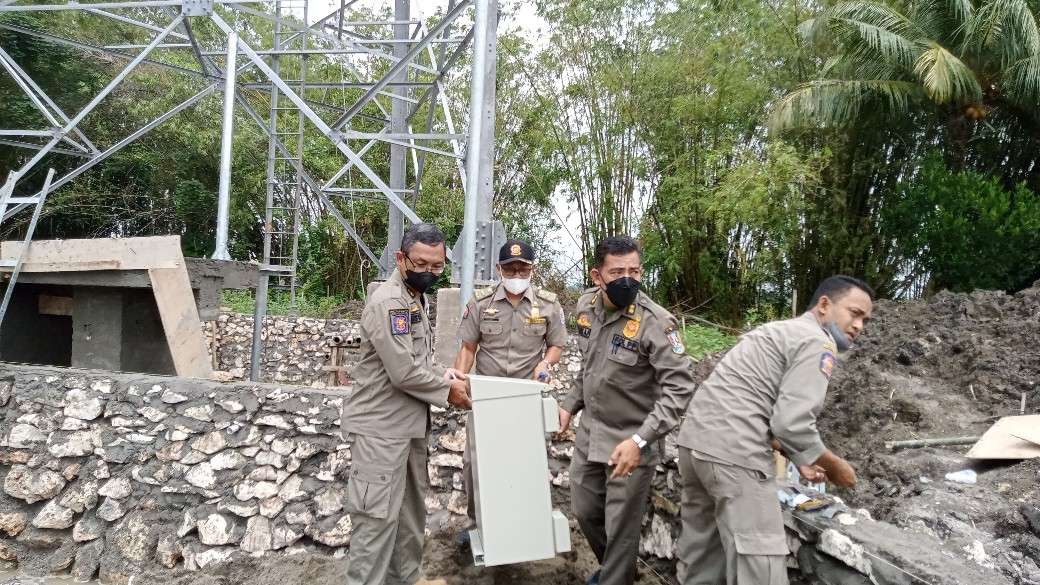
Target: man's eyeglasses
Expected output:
[422,266]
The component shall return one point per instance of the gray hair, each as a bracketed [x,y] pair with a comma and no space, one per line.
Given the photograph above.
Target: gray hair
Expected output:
[425,233]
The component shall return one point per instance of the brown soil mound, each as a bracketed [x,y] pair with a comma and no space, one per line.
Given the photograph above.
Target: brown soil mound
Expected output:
[949,366]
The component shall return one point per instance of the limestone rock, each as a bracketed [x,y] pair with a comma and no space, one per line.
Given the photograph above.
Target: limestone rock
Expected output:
[168,551]
[7,551]
[274,420]
[659,539]
[269,458]
[298,515]
[329,501]
[153,414]
[331,531]
[13,523]
[265,473]
[174,451]
[24,436]
[271,507]
[74,424]
[82,495]
[446,460]
[217,529]
[136,537]
[54,516]
[247,490]
[455,441]
[117,487]
[111,510]
[258,537]
[227,459]
[188,522]
[292,490]
[88,561]
[230,405]
[203,412]
[81,405]
[283,446]
[75,444]
[202,476]
[87,528]
[33,485]
[238,508]
[283,535]
[171,397]
[210,443]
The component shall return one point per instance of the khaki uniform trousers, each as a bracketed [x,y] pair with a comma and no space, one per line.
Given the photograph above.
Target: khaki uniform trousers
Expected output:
[610,513]
[732,528]
[385,499]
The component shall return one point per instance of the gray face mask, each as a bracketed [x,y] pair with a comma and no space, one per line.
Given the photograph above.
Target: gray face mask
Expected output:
[840,339]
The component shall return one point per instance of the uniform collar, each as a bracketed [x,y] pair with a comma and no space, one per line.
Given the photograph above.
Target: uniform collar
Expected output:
[811,318]
[396,278]
[611,316]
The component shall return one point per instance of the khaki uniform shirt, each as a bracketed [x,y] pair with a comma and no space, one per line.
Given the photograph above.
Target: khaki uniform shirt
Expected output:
[397,378]
[512,339]
[635,376]
[771,384]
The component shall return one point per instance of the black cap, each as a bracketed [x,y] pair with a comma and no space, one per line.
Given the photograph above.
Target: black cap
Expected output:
[516,251]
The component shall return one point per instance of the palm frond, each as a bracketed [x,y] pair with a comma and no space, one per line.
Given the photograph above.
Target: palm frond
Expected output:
[890,45]
[839,102]
[1022,82]
[946,78]
[1007,27]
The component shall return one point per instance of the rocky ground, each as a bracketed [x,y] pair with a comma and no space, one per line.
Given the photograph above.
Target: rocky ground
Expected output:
[950,366]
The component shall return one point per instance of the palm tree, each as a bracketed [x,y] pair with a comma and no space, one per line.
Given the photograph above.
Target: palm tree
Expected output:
[959,58]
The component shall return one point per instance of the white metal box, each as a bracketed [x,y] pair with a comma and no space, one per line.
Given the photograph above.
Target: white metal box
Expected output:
[507,428]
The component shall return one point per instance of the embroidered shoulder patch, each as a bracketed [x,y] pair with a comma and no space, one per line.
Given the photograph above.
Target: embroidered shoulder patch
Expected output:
[675,339]
[400,322]
[827,363]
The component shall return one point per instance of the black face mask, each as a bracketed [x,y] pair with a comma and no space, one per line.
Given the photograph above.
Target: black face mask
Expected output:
[420,281]
[622,291]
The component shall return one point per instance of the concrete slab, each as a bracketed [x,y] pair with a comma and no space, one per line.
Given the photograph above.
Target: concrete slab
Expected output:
[888,554]
[97,328]
[447,328]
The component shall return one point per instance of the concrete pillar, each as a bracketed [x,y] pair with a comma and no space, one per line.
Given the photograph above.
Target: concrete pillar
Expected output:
[449,317]
[97,328]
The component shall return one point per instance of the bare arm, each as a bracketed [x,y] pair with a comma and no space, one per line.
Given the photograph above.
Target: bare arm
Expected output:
[464,361]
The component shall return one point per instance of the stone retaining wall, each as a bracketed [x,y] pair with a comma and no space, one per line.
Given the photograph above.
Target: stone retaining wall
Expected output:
[295,349]
[119,472]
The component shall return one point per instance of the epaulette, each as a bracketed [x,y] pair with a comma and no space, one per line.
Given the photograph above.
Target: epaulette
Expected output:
[484,293]
[547,295]
[591,289]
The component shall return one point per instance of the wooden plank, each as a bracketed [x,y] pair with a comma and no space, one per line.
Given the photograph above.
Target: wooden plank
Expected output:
[180,319]
[52,305]
[1001,441]
[97,254]
[1031,434]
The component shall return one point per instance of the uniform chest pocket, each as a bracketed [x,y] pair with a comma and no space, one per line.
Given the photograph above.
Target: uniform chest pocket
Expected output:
[623,356]
[490,328]
[535,329]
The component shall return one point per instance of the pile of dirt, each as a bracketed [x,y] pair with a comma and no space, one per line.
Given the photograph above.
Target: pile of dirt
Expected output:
[948,366]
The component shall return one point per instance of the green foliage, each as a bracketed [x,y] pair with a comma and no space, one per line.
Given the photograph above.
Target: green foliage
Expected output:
[278,303]
[702,340]
[967,230]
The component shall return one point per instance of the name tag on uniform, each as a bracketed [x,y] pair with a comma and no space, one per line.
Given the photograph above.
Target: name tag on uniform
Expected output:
[416,315]
[620,342]
[536,320]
